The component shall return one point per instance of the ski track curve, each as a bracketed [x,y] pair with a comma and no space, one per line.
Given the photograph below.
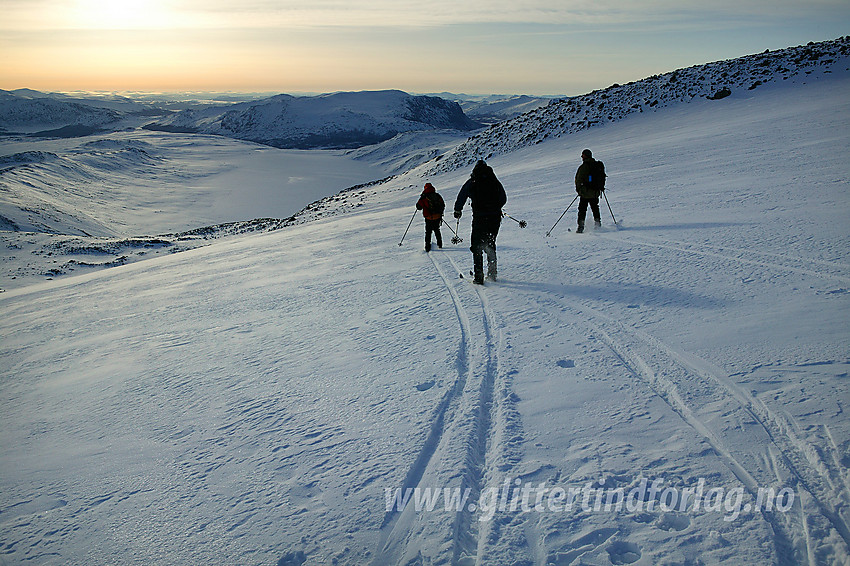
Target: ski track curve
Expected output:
[680,379]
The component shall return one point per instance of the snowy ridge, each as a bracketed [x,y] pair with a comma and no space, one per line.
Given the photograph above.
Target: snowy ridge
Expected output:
[408,150]
[711,81]
[36,185]
[56,219]
[29,114]
[339,120]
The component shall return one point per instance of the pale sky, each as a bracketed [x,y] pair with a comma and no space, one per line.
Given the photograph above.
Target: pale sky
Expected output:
[555,47]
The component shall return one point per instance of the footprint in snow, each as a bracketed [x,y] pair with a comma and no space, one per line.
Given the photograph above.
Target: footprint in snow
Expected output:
[674,522]
[292,559]
[566,363]
[426,385]
[622,552]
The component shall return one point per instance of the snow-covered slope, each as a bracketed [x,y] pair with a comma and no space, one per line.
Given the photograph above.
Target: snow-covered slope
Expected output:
[339,120]
[409,150]
[261,399]
[69,206]
[711,81]
[29,111]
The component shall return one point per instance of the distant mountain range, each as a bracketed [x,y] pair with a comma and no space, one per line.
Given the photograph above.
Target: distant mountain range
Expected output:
[357,119]
[339,120]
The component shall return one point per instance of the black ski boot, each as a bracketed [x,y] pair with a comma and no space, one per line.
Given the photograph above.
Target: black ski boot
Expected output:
[478,269]
[580,229]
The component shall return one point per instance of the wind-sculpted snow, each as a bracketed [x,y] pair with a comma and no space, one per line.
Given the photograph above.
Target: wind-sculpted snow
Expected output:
[712,81]
[51,193]
[340,120]
[26,158]
[670,389]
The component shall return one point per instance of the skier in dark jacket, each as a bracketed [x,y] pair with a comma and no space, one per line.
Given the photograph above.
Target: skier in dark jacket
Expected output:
[590,182]
[432,206]
[488,197]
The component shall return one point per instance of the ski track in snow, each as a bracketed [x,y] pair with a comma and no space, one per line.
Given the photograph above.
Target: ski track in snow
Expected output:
[712,404]
[684,383]
[275,393]
[456,451]
[815,473]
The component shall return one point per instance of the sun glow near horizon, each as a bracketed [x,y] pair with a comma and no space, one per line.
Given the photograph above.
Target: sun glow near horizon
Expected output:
[479,46]
[109,14]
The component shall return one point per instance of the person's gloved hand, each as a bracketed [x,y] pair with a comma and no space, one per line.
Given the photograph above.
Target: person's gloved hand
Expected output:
[458,213]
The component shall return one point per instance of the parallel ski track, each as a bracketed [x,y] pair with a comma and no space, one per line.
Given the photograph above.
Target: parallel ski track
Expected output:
[477,359]
[436,433]
[466,534]
[800,458]
[471,534]
[803,458]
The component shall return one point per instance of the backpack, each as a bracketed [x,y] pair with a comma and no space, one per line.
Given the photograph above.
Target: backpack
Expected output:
[436,204]
[596,179]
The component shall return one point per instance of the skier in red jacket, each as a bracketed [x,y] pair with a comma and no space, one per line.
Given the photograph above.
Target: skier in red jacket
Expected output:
[432,206]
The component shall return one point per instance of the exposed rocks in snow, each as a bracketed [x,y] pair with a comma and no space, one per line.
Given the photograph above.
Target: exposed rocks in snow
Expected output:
[711,81]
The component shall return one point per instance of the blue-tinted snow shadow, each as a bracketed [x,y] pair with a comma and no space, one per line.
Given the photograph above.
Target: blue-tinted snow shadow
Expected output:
[632,295]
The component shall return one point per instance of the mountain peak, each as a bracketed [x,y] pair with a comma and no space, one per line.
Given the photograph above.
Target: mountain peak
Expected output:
[333,120]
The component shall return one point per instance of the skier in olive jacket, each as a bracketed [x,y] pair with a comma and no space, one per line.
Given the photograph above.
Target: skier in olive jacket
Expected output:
[590,182]
[432,206]
[488,197]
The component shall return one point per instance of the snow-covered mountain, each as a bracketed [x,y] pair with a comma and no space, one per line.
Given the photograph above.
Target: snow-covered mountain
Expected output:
[669,389]
[30,111]
[711,81]
[408,150]
[338,120]
[496,108]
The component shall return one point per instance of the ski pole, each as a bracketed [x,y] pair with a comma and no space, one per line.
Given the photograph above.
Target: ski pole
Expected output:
[455,239]
[522,223]
[408,227]
[609,207]
[549,233]
[449,227]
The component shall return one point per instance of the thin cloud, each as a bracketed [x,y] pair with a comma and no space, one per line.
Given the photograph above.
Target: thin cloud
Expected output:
[415,13]
[218,14]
